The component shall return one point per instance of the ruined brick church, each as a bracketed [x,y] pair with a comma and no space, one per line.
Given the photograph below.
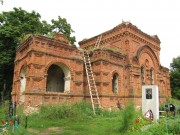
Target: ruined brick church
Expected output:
[51,70]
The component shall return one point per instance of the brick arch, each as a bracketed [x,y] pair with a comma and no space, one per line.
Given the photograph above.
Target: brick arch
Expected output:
[67,73]
[57,61]
[24,64]
[150,52]
[115,72]
[151,68]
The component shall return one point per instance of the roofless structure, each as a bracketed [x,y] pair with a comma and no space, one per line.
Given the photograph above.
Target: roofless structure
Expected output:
[51,70]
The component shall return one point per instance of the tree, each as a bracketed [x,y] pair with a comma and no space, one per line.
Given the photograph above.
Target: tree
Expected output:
[175,77]
[1,1]
[62,26]
[14,26]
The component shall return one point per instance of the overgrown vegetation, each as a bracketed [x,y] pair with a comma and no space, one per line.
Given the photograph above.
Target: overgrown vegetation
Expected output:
[175,77]
[112,49]
[78,118]
[127,117]
[66,110]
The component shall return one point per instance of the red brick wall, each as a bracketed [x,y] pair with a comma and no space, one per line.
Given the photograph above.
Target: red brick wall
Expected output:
[123,51]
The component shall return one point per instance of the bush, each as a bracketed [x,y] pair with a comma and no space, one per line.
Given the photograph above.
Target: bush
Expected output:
[4,111]
[66,110]
[127,118]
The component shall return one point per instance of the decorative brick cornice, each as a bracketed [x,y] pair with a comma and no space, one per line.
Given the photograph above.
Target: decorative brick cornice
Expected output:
[78,82]
[143,40]
[113,96]
[39,38]
[46,53]
[37,78]
[124,29]
[78,72]
[24,44]
[53,42]
[107,61]
[37,66]
[137,30]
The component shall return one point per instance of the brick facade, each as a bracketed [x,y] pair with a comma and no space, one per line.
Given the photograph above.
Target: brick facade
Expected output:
[50,70]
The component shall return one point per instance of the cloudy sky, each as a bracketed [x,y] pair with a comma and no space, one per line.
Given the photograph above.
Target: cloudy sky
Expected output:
[92,17]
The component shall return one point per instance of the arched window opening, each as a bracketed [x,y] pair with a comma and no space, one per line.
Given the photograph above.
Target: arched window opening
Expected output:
[115,83]
[152,76]
[55,79]
[58,79]
[22,84]
[142,76]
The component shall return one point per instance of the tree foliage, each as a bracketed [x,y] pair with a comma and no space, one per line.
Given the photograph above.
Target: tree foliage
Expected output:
[62,26]
[14,26]
[1,1]
[175,77]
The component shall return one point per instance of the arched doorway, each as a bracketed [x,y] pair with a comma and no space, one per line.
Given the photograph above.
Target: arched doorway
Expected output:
[58,79]
[115,83]
[22,84]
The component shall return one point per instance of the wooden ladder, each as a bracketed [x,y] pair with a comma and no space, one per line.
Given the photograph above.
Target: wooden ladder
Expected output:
[91,83]
[98,42]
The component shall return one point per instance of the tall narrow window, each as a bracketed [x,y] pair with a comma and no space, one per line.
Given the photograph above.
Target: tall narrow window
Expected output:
[152,76]
[115,83]
[142,76]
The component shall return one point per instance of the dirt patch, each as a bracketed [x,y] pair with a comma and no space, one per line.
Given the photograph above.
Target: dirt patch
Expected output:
[48,131]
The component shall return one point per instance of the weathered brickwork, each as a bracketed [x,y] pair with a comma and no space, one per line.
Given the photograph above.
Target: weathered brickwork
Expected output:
[50,70]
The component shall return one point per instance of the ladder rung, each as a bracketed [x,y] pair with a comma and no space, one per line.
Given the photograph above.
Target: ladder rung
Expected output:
[90,71]
[96,103]
[90,77]
[94,92]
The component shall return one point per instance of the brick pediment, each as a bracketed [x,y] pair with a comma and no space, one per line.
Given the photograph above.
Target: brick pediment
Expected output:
[125,29]
[61,37]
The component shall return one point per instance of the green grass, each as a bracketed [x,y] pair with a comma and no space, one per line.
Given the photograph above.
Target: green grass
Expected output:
[4,111]
[78,118]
